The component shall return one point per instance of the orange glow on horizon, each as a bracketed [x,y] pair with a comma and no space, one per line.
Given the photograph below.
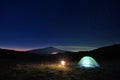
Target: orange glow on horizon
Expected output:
[18,49]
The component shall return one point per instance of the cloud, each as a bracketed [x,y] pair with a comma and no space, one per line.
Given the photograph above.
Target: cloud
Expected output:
[76,48]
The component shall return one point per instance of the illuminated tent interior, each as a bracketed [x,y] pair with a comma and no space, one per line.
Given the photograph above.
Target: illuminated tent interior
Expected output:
[88,61]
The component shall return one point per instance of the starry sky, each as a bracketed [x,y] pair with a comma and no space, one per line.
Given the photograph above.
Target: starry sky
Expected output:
[66,24]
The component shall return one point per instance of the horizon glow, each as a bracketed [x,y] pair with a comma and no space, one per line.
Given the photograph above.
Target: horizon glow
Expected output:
[67,48]
[71,23]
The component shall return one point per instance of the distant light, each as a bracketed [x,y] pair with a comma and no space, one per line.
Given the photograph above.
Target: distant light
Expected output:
[63,63]
[54,53]
[88,61]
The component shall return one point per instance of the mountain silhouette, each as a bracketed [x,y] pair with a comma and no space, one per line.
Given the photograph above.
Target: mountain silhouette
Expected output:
[106,53]
[18,56]
[47,51]
[110,52]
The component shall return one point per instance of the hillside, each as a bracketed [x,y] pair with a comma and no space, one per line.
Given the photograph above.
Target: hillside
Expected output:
[107,53]
[19,56]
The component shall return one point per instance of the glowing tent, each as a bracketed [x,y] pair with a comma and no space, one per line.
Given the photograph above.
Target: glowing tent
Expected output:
[88,61]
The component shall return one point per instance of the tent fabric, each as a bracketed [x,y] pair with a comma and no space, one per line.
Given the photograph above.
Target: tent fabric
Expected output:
[88,61]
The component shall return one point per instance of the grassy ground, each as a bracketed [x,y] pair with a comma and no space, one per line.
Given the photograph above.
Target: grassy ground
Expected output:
[57,72]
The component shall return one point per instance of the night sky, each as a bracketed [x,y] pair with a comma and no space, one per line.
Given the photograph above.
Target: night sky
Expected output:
[66,24]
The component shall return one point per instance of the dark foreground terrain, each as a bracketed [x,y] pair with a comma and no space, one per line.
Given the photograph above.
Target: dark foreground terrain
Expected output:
[36,71]
[16,65]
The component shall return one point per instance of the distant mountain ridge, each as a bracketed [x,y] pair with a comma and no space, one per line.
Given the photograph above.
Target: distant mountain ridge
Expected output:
[109,53]
[47,51]
[110,48]
[105,53]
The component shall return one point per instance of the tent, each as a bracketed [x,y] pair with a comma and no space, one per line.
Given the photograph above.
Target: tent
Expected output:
[88,61]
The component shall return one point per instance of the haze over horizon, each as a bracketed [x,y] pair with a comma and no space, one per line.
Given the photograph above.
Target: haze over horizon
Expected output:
[67,48]
[72,25]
